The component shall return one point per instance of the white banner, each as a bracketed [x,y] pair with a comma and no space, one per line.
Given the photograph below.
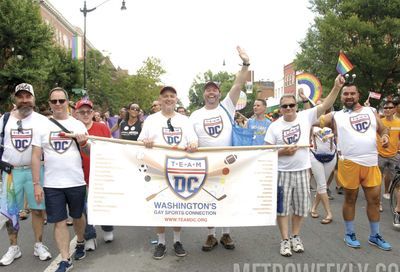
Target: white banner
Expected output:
[136,186]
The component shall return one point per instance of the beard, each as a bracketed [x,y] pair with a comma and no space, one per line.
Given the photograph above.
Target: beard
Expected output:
[25,109]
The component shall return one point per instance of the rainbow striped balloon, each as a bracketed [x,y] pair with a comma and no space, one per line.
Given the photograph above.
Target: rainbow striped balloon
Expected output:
[312,83]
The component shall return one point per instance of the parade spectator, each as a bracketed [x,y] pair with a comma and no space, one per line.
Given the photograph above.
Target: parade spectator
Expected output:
[85,114]
[181,110]
[357,127]
[240,119]
[155,106]
[115,128]
[213,126]
[294,163]
[259,123]
[64,182]
[167,127]
[131,126]
[20,128]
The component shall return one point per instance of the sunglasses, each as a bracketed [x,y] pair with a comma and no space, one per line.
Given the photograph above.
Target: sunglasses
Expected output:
[135,109]
[54,101]
[388,108]
[170,127]
[287,106]
[19,124]
[85,112]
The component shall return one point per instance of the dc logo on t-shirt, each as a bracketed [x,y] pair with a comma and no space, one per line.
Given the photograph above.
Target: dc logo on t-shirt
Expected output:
[291,135]
[172,137]
[58,143]
[213,126]
[21,140]
[360,122]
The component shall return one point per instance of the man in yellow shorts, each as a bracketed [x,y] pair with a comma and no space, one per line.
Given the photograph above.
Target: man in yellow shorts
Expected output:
[356,127]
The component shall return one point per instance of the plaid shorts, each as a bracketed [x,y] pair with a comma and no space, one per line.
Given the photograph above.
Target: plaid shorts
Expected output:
[296,192]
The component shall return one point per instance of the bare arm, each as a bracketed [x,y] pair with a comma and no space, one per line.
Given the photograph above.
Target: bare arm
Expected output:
[382,130]
[330,99]
[240,79]
[304,98]
[38,190]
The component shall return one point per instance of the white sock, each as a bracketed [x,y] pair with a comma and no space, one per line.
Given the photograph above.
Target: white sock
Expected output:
[226,230]
[211,231]
[161,238]
[177,236]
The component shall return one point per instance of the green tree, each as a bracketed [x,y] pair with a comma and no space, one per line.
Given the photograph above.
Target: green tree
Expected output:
[369,33]
[24,45]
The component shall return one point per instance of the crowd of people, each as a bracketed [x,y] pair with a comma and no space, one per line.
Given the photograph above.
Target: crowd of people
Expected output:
[45,167]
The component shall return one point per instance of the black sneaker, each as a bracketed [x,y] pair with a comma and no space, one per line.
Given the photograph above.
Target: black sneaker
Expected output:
[179,250]
[80,252]
[339,190]
[159,252]
[396,220]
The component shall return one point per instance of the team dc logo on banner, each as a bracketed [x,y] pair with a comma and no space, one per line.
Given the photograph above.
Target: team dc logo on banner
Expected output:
[58,143]
[360,122]
[186,176]
[172,137]
[213,126]
[291,135]
[21,140]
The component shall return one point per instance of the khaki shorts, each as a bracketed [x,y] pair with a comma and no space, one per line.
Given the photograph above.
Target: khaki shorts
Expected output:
[351,175]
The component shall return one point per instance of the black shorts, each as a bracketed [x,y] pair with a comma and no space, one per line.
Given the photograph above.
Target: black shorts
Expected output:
[57,199]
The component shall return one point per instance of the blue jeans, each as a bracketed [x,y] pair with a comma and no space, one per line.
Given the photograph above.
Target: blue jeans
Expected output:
[90,230]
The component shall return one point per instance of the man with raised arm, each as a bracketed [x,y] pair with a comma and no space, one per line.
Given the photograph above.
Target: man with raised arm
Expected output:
[294,163]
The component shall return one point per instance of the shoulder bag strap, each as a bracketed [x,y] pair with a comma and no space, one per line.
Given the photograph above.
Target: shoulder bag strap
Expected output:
[230,117]
[66,131]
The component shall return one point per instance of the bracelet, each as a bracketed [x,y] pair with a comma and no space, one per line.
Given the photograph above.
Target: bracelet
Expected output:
[246,64]
[305,101]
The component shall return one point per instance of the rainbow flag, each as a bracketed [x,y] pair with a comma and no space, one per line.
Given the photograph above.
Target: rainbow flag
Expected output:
[9,206]
[77,47]
[343,65]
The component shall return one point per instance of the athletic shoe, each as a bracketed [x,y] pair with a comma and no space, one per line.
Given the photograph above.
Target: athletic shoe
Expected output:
[386,196]
[91,244]
[179,250]
[13,253]
[210,243]
[41,251]
[108,236]
[296,244]
[80,252]
[378,241]
[285,248]
[64,266]
[159,252]
[329,192]
[351,240]
[227,241]
[396,220]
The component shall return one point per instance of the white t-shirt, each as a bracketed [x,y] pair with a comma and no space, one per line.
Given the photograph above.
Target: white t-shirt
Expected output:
[62,160]
[214,127]
[297,132]
[155,127]
[356,133]
[321,145]
[18,144]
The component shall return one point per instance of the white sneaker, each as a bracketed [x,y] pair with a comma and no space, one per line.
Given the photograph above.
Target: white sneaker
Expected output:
[285,248]
[91,244]
[13,253]
[386,196]
[297,244]
[108,236]
[41,251]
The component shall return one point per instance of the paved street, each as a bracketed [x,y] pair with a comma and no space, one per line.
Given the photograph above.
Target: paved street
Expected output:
[256,246]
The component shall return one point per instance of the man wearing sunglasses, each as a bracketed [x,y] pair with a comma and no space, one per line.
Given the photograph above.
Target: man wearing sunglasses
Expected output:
[167,127]
[64,182]
[214,128]
[293,129]
[20,128]
[84,112]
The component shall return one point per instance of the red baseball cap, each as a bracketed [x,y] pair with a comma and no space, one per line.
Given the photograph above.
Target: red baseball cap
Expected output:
[84,102]
[168,88]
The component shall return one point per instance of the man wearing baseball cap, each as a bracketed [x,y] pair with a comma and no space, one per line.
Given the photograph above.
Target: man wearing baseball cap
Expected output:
[84,113]
[18,133]
[167,127]
[214,128]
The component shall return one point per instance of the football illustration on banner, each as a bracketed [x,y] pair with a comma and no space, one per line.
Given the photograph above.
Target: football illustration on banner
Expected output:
[241,104]
[311,85]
